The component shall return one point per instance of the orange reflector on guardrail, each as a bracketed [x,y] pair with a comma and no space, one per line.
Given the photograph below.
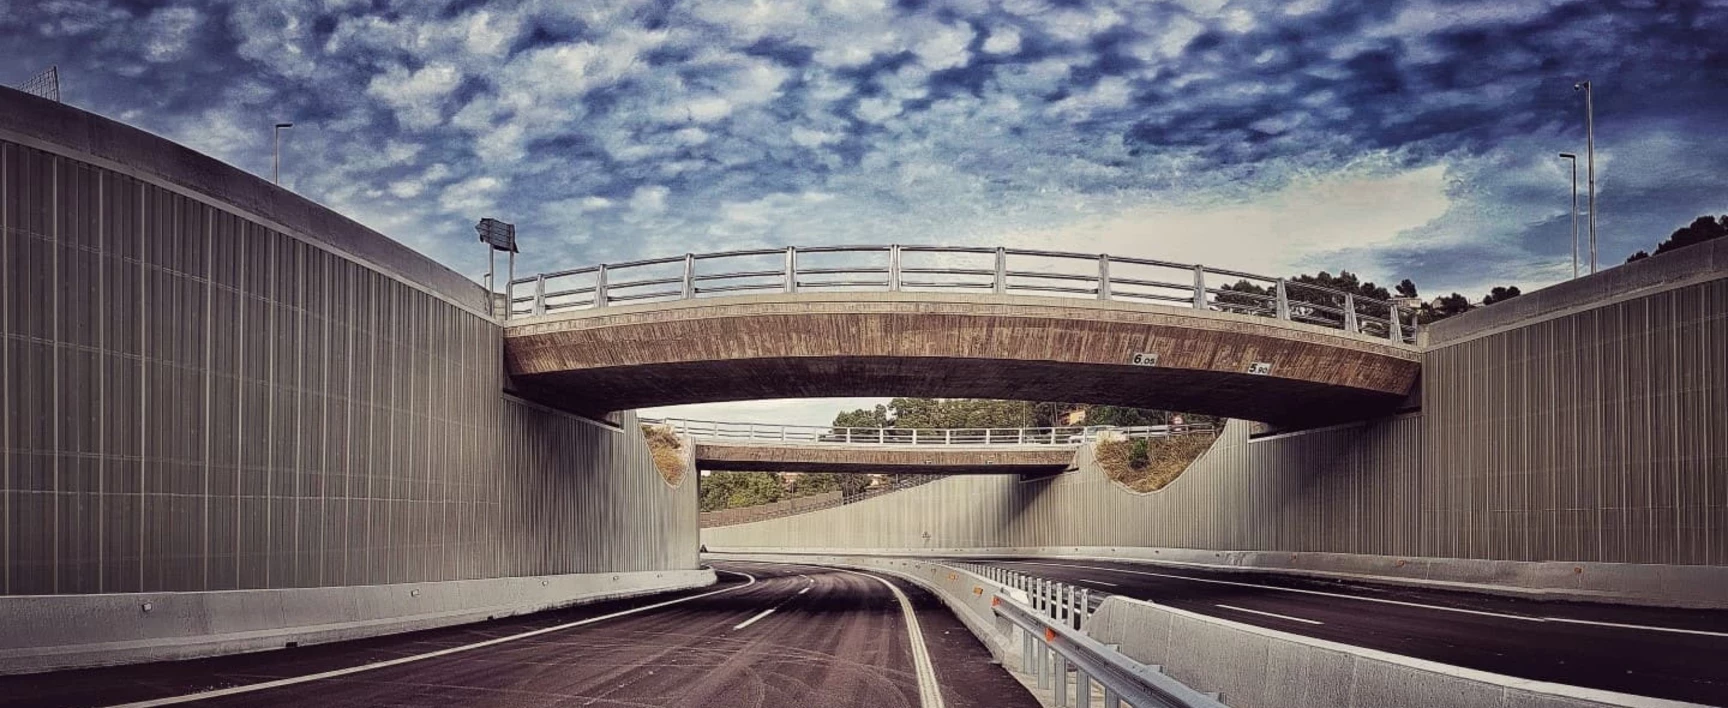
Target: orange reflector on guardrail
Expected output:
[995,601]
[1049,634]
[976,590]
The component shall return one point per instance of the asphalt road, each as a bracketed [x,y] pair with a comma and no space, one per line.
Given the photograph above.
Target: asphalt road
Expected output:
[1664,653]
[768,635]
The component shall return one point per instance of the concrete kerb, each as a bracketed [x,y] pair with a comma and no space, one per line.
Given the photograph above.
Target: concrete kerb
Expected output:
[1681,586]
[52,632]
[1251,666]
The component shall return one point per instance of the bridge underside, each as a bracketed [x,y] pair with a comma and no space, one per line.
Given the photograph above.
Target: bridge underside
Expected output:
[955,346]
[877,459]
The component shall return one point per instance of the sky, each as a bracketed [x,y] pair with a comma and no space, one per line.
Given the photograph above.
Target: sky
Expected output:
[1392,138]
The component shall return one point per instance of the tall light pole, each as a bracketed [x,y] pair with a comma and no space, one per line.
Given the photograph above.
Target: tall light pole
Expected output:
[1590,157]
[1574,160]
[276,174]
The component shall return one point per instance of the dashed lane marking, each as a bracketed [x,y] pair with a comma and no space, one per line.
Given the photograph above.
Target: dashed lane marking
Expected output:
[1269,614]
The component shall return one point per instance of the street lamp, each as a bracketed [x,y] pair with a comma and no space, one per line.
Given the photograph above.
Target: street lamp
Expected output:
[1590,157]
[276,174]
[1574,160]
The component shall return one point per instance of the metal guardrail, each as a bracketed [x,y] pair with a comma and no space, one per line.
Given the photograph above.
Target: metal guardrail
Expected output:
[1053,645]
[896,268]
[767,432]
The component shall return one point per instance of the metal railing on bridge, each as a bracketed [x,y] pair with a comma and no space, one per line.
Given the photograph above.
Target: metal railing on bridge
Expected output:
[819,434]
[896,268]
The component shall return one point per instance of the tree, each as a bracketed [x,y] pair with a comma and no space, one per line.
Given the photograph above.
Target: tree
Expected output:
[1443,307]
[1703,228]
[1406,288]
[728,490]
[1501,294]
[864,418]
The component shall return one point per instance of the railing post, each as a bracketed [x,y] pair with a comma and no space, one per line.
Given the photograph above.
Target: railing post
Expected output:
[1021,439]
[894,268]
[948,436]
[1001,270]
[1283,301]
[540,294]
[1061,668]
[751,435]
[914,436]
[1350,313]
[689,276]
[1395,329]
[791,269]
[600,286]
[1199,288]
[782,433]
[987,436]
[879,436]
[1103,276]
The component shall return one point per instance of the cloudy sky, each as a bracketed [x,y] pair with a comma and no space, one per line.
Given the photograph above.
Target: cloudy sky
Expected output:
[1391,138]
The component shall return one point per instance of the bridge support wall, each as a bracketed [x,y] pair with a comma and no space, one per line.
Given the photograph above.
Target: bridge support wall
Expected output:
[1585,432]
[211,384]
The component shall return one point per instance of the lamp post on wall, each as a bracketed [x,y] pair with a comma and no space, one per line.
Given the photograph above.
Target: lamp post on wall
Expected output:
[276,173]
[1573,158]
[498,236]
[1590,158]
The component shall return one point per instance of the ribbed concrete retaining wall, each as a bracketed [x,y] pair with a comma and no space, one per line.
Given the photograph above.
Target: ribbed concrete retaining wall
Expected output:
[211,384]
[1591,431]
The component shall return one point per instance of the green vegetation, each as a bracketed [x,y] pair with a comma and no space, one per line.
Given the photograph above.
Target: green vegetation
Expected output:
[729,490]
[1700,230]
[667,452]
[1148,464]
[905,413]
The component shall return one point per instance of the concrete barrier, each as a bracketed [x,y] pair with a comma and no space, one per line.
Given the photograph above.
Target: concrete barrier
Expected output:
[1686,586]
[1250,667]
[49,632]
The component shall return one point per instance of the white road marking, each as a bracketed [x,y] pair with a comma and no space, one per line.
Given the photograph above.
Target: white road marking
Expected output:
[1294,590]
[1269,614]
[251,687]
[1090,581]
[758,616]
[805,590]
[929,691]
[1652,628]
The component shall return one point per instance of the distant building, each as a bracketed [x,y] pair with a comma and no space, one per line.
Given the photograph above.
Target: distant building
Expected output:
[1074,417]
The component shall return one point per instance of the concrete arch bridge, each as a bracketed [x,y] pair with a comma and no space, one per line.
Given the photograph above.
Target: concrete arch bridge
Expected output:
[954,322]
[755,447]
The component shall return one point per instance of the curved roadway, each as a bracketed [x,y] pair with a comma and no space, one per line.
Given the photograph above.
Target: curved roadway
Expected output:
[767,635]
[1664,653]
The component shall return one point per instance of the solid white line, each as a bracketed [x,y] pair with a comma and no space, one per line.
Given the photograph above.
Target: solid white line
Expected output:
[1089,581]
[758,616]
[1269,614]
[805,590]
[1652,628]
[1294,590]
[929,691]
[251,687]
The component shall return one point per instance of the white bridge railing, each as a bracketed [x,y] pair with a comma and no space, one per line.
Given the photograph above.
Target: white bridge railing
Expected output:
[817,434]
[897,268]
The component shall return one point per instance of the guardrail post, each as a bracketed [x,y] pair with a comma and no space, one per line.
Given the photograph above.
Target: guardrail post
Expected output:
[1061,668]
[1283,301]
[894,268]
[1082,690]
[1111,700]
[540,294]
[1199,288]
[1394,328]
[1103,276]
[1350,313]
[914,436]
[600,286]
[986,436]
[791,269]
[1085,604]
[1001,270]
[1022,436]
[689,276]
[948,436]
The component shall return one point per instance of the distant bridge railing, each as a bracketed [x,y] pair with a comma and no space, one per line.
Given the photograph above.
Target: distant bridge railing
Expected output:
[808,434]
[897,268]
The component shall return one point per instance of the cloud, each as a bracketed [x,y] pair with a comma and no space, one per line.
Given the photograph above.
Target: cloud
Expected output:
[418,96]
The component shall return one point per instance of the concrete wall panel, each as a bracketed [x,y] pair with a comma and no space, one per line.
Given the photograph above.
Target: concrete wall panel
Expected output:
[195,399]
